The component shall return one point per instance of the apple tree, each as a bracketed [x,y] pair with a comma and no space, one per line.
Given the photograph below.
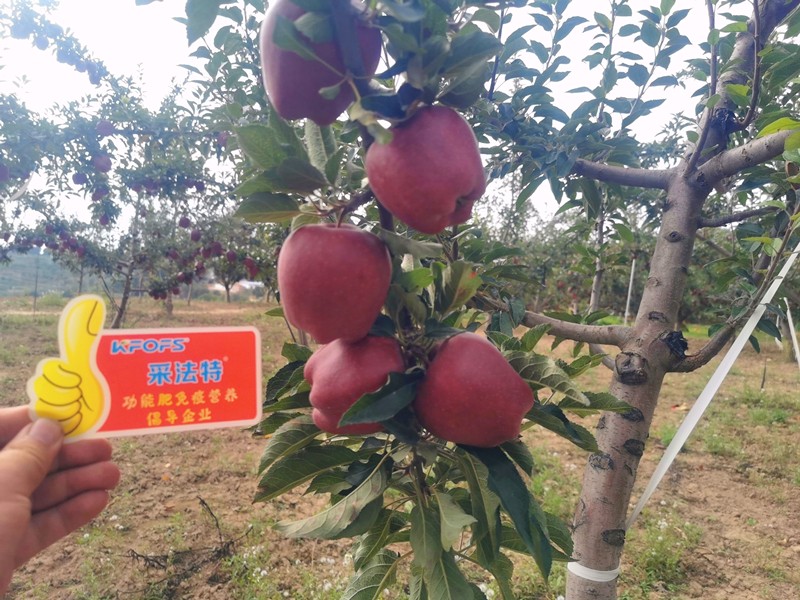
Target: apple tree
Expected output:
[105,183]
[394,420]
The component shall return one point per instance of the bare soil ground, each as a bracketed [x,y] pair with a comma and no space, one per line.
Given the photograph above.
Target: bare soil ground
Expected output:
[182,525]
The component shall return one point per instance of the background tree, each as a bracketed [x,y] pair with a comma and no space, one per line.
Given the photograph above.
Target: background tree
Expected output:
[720,166]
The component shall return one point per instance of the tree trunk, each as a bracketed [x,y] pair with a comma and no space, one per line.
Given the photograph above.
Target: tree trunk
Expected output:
[119,317]
[645,357]
[597,280]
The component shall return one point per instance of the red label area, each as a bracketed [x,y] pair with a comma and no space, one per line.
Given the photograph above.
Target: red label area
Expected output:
[180,379]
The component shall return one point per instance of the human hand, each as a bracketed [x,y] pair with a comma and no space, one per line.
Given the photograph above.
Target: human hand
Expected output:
[67,389]
[46,490]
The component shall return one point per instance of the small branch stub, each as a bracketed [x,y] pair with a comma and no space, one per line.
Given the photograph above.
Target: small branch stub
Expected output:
[631,368]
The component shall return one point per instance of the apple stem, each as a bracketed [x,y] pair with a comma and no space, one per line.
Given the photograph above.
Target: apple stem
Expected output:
[387,220]
[418,477]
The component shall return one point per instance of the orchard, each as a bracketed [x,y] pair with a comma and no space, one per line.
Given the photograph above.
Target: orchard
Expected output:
[390,150]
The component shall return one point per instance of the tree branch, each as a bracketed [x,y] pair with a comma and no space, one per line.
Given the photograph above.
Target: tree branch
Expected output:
[608,362]
[643,178]
[707,119]
[713,347]
[736,217]
[753,153]
[611,335]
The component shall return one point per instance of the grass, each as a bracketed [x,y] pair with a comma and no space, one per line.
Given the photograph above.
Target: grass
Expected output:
[656,549]
[748,431]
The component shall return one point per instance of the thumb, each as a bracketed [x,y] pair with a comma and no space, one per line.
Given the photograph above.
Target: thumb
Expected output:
[26,460]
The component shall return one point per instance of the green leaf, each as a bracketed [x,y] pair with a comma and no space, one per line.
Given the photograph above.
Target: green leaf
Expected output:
[650,33]
[288,38]
[369,582]
[782,124]
[452,518]
[288,439]
[519,452]
[272,422]
[638,74]
[490,17]
[297,175]
[560,534]
[533,336]
[469,52]
[376,537]
[299,398]
[416,279]
[505,481]
[485,507]
[542,371]
[294,352]
[334,520]
[459,283]
[553,418]
[274,312]
[567,26]
[598,401]
[265,207]
[316,26]
[287,473]
[400,245]
[768,326]
[416,585]
[666,6]
[200,16]
[624,233]
[446,582]
[425,537]
[262,145]
[397,393]
[284,379]
[404,11]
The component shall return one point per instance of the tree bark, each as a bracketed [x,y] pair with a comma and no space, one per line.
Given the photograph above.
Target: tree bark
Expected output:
[640,367]
[119,317]
[646,356]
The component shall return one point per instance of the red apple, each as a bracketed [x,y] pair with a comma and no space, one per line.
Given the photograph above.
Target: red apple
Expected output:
[333,280]
[102,163]
[251,266]
[471,395]
[293,83]
[195,235]
[104,128]
[341,372]
[184,222]
[430,174]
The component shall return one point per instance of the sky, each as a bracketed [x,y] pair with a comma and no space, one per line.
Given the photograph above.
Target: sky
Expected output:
[130,39]
[146,40]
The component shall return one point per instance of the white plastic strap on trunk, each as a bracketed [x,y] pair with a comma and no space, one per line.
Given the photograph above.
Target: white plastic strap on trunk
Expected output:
[702,402]
[590,574]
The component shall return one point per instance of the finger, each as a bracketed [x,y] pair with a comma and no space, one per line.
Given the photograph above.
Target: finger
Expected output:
[11,421]
[53,524]
[83,453]
[26,459]
[63,485]
[81,323]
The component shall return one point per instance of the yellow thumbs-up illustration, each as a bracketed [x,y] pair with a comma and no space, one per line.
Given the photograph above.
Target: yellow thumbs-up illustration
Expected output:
[68,389]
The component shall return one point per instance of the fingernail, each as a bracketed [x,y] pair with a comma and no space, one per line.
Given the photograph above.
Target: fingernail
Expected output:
[46,431]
